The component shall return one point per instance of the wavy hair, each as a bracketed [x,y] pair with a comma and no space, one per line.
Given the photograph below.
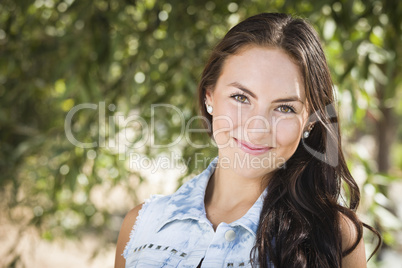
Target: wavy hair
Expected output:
[300,219]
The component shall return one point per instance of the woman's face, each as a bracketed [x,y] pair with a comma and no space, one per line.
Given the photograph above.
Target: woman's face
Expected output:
[258,100]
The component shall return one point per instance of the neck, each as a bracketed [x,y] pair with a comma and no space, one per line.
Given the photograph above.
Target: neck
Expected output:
[230,189]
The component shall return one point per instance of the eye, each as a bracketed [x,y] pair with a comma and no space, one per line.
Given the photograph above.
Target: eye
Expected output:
[240,98]
[286,109]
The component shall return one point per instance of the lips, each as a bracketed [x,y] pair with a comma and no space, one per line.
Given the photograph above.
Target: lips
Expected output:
[251,148]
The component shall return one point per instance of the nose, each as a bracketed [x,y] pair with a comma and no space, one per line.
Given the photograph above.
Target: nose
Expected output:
[257,130]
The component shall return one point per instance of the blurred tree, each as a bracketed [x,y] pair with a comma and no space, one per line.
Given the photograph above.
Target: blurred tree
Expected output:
[364,41]
[103,64]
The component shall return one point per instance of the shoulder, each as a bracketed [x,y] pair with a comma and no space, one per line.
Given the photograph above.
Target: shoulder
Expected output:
[132,215]
[351,234]
[124,235]
[349,231]
[144,210]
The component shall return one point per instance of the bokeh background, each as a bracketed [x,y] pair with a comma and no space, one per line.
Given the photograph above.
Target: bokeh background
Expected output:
[92,70]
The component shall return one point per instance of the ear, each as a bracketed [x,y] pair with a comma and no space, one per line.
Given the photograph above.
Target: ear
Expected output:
[209,95]
[310,126]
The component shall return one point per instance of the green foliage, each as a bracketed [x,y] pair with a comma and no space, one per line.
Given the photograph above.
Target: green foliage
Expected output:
[122,57]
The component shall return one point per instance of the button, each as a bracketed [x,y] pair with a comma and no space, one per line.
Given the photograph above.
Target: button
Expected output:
[230,235]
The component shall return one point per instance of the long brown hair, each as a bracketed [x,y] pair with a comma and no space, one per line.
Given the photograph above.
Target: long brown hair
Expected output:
[300,219]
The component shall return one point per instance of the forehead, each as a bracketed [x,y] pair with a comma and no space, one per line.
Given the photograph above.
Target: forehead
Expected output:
[264,70]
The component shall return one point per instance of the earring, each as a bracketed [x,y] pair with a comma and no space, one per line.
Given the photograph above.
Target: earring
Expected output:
[306,133]
[209,109]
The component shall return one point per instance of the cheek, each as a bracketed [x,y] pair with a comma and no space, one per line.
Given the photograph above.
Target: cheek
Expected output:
[288,132]
[224,121]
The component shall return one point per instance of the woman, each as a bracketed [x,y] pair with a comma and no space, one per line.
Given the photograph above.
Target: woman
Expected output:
[271,196]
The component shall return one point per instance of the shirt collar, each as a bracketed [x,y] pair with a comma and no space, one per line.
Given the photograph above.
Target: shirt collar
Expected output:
[251,219]
[188,203]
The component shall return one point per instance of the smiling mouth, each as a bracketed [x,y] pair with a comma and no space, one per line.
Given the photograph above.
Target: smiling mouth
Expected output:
[251,148]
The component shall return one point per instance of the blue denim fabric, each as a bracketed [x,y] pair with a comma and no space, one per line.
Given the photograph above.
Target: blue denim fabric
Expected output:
[173,231]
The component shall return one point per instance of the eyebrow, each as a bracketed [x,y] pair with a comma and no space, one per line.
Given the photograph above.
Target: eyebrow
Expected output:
[290,99]
[240,86]
[243,88]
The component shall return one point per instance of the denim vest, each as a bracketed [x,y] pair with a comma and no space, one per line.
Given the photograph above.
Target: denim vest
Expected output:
[173,231]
